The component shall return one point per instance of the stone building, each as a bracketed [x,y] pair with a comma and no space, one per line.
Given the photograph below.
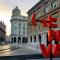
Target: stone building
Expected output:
[43,8]
[2,32]
[18,26]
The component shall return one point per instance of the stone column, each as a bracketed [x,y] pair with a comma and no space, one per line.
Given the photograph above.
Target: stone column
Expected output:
[37,39]
[32,38]
[29,39]
[17,39]
[21,39]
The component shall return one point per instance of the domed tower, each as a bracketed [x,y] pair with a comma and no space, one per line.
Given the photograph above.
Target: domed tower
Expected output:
[16,12]
[18,26]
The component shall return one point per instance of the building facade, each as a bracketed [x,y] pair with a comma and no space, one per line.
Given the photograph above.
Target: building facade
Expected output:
[43,8]
[2,32]
[18,27]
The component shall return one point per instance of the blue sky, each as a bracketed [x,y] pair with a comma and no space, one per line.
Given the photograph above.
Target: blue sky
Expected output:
[6,7]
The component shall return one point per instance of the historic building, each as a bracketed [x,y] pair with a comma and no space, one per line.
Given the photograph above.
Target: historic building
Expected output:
[43,8]
[2,32]
[18,27]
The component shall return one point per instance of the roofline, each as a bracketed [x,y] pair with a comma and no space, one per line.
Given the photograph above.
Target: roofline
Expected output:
[34,6]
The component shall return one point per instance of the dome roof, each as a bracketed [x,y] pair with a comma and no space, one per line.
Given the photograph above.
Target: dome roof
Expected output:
[16,12]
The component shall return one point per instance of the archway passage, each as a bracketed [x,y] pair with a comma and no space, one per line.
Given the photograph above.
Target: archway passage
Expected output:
[23,40]
[40,39]
[14,39]
[34,38]
[31,39]
[19,39]
[26,40]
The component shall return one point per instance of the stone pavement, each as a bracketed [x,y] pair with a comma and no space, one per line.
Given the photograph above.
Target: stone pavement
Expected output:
[20,51]
[4,47]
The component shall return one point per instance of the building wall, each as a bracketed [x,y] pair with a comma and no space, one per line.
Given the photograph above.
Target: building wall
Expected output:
[43,9]
[18,26]
[2,30]
[49,7]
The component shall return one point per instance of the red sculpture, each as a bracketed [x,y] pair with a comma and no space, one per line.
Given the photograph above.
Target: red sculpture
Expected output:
[52,35]
[34,23]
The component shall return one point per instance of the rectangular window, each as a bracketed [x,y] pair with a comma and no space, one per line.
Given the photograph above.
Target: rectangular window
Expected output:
[23,32]
[46,9]
[24,29]
[14,31]
[23,24]
[19,32]
[35,30]
[19,24]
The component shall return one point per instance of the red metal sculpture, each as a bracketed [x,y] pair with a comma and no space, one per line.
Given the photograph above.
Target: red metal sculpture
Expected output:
[34,23]
[52,35]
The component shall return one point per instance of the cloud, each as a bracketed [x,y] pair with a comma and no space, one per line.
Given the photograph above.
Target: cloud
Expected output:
[4,10]
[5,15]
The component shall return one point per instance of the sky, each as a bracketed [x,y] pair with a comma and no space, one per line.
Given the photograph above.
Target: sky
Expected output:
[6,7]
